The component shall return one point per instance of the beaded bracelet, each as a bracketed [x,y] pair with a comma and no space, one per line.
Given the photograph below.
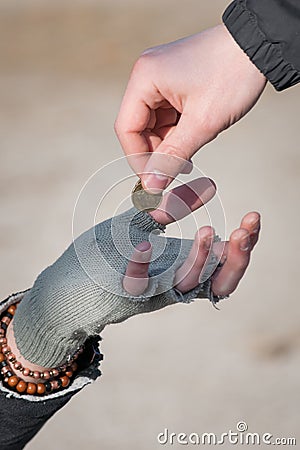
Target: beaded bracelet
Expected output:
[56,378]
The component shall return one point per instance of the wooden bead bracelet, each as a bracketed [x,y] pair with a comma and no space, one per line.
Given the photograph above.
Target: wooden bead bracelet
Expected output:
[56,378]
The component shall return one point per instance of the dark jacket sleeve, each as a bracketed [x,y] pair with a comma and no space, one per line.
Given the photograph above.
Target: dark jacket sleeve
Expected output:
[21,417]
[269,33]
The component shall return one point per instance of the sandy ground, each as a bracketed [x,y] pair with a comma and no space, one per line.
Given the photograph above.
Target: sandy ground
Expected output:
[64,66]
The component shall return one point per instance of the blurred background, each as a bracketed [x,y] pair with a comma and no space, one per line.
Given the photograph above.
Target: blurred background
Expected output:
[64,67]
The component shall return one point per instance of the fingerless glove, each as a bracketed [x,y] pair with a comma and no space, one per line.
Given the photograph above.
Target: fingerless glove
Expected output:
[82,291]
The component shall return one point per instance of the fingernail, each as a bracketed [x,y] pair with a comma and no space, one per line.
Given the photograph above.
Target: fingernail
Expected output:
[155,182]
[187,167]
[142,253]
[143,246]
[213,183]
[245,243]
[207,243]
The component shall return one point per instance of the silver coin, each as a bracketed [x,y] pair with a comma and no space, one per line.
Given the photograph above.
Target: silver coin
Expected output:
[143,200]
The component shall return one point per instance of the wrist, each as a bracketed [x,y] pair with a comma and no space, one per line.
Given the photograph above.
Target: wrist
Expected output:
[29,378]
[11,342]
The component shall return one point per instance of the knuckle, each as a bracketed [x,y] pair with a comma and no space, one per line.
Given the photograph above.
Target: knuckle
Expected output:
[209,126]
[143,63]
[117,127]
[177,154]
[149,50]
[121,126]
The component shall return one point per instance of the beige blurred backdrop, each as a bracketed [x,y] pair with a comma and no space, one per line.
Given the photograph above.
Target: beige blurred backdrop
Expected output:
[64,67]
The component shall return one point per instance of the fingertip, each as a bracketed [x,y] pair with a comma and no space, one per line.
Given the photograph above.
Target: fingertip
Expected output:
[203,239]
[213,184]
[241,238]
[142,253]
[204,233]
[143,246]
[238,234]
[256,214]
[251,220]
[187,167]
[164,164]
[198,191]
[155,182]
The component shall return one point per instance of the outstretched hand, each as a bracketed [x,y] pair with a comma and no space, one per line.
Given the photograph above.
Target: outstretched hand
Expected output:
[67,303]
[103,278]
[180,96]
[234,255]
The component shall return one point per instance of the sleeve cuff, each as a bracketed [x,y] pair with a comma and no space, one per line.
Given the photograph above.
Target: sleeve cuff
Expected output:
[267,56]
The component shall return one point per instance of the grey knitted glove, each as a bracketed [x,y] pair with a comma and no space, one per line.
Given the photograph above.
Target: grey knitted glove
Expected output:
[82,291]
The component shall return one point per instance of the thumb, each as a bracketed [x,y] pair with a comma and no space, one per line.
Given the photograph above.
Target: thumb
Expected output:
[173,155]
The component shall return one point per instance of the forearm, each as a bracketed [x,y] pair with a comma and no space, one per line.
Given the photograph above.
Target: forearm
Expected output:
[23,415]
[268,31]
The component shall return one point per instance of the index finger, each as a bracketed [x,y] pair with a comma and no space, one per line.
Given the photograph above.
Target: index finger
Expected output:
[184,199]
[133,118]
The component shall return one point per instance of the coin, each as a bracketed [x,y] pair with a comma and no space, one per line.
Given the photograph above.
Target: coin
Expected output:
[143,200]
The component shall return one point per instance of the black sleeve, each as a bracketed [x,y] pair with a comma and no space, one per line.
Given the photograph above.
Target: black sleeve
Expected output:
[269,33]
[21,419]
[22,416]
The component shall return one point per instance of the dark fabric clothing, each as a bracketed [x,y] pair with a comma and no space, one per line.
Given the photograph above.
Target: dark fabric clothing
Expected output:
[21,419]
[269,33]
[22,416]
